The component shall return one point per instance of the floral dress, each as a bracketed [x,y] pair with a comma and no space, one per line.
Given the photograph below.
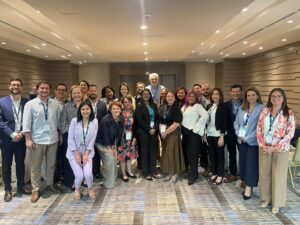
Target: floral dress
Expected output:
[127,151]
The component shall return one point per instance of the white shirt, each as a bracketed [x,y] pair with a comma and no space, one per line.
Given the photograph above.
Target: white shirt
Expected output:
[194,118]
[42,126]
[211,126]
[17,111]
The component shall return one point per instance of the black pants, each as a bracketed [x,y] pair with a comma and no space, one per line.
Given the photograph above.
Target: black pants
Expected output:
[203,155]
[8,150]
[96,165]
[148,151]
[216,156]
[192,142]
[58,176]
[232,143]
[185,145]
[67,170]
[248,161]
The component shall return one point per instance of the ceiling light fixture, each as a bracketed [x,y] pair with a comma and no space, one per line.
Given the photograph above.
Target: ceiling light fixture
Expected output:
[193,51]
[244,9]
[227,55]
[206,60]
[28,50]
[84,61]
[143,27]
[244,53]
[46,56]
[245,42]
[202,43]
[284,39]
[290,21]
[146,59]
[212,61]
[217,31]
[38,11]
[3,43]
[90,54]
[221,53]
[145,43]
[80,62]
[69,55]
[63,56]
[44,44]
[145,53]
[261,48]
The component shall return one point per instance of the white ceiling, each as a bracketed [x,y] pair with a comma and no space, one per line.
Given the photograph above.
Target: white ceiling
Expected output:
[109,31]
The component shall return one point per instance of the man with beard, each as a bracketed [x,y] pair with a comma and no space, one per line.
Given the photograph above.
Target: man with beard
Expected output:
[205,101]
[12,141]
[140,86]
[198,90]
[100,110]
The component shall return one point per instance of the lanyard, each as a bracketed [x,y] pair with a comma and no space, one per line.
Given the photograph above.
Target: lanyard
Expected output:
[272,119]
[85,133]
[246,119]
[166,112]
[154,95]
[45,107]
[17,113]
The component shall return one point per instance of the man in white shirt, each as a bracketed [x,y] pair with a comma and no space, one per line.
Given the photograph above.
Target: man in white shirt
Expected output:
[155,87]
[40,127]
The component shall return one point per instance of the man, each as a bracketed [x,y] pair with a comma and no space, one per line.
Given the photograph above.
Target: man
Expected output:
[205,101]
[100,110]
[61,93]
[12,141]
[40,127]
[198,91]
[140,86]
[231,139]
[33,92]
[154,87]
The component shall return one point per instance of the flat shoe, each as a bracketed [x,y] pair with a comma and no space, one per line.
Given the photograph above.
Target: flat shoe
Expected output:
[148,178]
[157,176]
[92,194]
[131,175]
[125,178]
[264,204]
[77,195]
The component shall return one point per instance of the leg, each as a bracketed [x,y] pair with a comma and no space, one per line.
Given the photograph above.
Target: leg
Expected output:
[59,166]
[242,160]
[37,156]
[88,173]
[185,145]
[50,159]
[152,154]
[251,166]
[67,171]
[211,154]
[145,148]
[220,158]
[122,165]
[78,172]
[96,165]
[203,155]
[231,147]
[265,175]
[128,166]
[20,150]
[7,157]
[27,162]
[193,153]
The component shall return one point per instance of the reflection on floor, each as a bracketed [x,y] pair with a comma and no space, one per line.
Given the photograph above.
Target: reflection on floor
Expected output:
[152,202]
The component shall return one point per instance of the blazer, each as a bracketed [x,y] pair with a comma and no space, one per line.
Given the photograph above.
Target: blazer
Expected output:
[101,112]
[75,137]
[231,118]
[7,120]
[221,117]
[143,118]
[251,125]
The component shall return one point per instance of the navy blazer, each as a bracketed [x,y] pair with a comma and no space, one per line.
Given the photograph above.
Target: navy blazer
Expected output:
[231,118]
[7,120]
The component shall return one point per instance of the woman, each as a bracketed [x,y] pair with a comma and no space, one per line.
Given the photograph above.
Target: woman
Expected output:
[216,129]
[147,118]
[172,155]
[181,93]
[107,95]
[84,85]
[127,150]
[110,134]
[81,140]
[69,112]
[245,128]
[193,125]
[124,91]
[275,129]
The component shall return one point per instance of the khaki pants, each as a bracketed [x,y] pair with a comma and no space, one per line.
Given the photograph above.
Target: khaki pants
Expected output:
[27,162]
[273,171]
[37,156]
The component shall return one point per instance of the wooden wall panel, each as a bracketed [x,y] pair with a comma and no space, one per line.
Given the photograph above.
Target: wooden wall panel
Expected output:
[32,70]
[275,68]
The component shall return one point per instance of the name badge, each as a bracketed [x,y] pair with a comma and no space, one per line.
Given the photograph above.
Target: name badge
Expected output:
[46,128]
[18,126]
[269,139]
[128,135]
[242,133]
[152,124]
[163,128]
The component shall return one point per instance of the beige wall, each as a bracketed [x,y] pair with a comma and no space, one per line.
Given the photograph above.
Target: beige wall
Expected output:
[95,73]
[199,72]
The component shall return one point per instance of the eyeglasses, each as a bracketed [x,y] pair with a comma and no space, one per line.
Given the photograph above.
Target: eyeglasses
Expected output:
[276,96]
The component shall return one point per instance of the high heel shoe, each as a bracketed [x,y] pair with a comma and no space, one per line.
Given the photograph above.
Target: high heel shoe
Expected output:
[220,182]
[213,178]
[77,194]
[247,197]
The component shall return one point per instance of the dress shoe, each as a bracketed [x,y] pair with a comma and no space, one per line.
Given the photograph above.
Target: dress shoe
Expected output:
[124,178]
[230,178]
[191,182]
[173,178]
[264,204]
[23,191]
[246,197]
[218,182]
[35,196]
[242,185]
[7,196]
[131,175]
[157,176]
[53,189]
[148,178]
[275,210]
[92,194]
[206,172]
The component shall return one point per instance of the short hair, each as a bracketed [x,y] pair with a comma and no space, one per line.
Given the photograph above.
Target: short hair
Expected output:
[104,89]
[153,75]
[197,85]
[93,85]
[84,81]
[220,94]
[236,86]
[61,84]
[140,83]
[71,90]
[16,79]
[116,103]
[43,82]
[79,116]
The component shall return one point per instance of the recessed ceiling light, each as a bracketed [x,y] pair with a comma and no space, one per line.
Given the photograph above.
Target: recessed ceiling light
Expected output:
[244,9]
[146,59]
[69,55]
[261,48]
[290,21]
[284,39]
[206,60]
[221,53]
[44,44]
[46,56]
[63,56]
[145,53]
[202,43]
[227,55]
[143,27]
[28,50]
[38,11]
[193,51]
[145,43]
[90,54]
[217,31]
[212,61]
[84,61]
[245,42]
[244,53]
[3,43]
[80,62]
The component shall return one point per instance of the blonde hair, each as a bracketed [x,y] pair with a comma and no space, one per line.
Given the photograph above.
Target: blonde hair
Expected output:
[71,90]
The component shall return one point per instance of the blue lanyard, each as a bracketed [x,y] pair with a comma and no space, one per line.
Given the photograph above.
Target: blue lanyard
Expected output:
[153,96]
[272,119]
[84,134]
[45,107]
[166,112]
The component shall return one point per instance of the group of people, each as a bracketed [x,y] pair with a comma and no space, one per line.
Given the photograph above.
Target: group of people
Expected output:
[67,138]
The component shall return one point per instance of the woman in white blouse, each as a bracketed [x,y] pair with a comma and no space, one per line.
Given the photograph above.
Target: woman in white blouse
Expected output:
[216,129]
[193,125]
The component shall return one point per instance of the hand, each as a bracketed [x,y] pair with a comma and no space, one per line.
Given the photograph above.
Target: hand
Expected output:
[268,149]
[60,137]
[152,131]
[221,141]
[133,141]
[85,157]
[113,151]
[163,135]
[204,139]
[30,145]
[78,157]
[18,137]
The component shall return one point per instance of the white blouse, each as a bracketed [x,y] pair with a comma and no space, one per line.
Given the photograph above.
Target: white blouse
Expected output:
[211,127]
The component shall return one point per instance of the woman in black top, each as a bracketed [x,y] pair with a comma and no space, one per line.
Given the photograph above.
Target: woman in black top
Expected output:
[147,119]
[181,93]
[215,131]
[172,155]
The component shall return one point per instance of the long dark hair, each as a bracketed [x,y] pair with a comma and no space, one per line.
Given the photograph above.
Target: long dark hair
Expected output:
[220,95]
[104,90]
[79,116]
[151,101]
[284,106]
[245,104]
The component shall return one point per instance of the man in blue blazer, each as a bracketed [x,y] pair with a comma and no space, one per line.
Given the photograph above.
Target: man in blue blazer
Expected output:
[12,141]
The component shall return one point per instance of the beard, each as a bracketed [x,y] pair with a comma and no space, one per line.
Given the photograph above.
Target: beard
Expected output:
[93,96]
[15,92]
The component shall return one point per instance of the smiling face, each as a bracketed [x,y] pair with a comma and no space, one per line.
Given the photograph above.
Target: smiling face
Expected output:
[139,88]
[198,90]
[44,90]
[83,87]
[15,87]
[124,90]
[191,99]
[127,104]
[76,94]
[251,97]
[153,81]
[115,111]
[215,96]
[276,99]
[235,94]
[170,98]
[93,93]
[146,95]
[181,94]
[85,112]
[109,94]
[60,91]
